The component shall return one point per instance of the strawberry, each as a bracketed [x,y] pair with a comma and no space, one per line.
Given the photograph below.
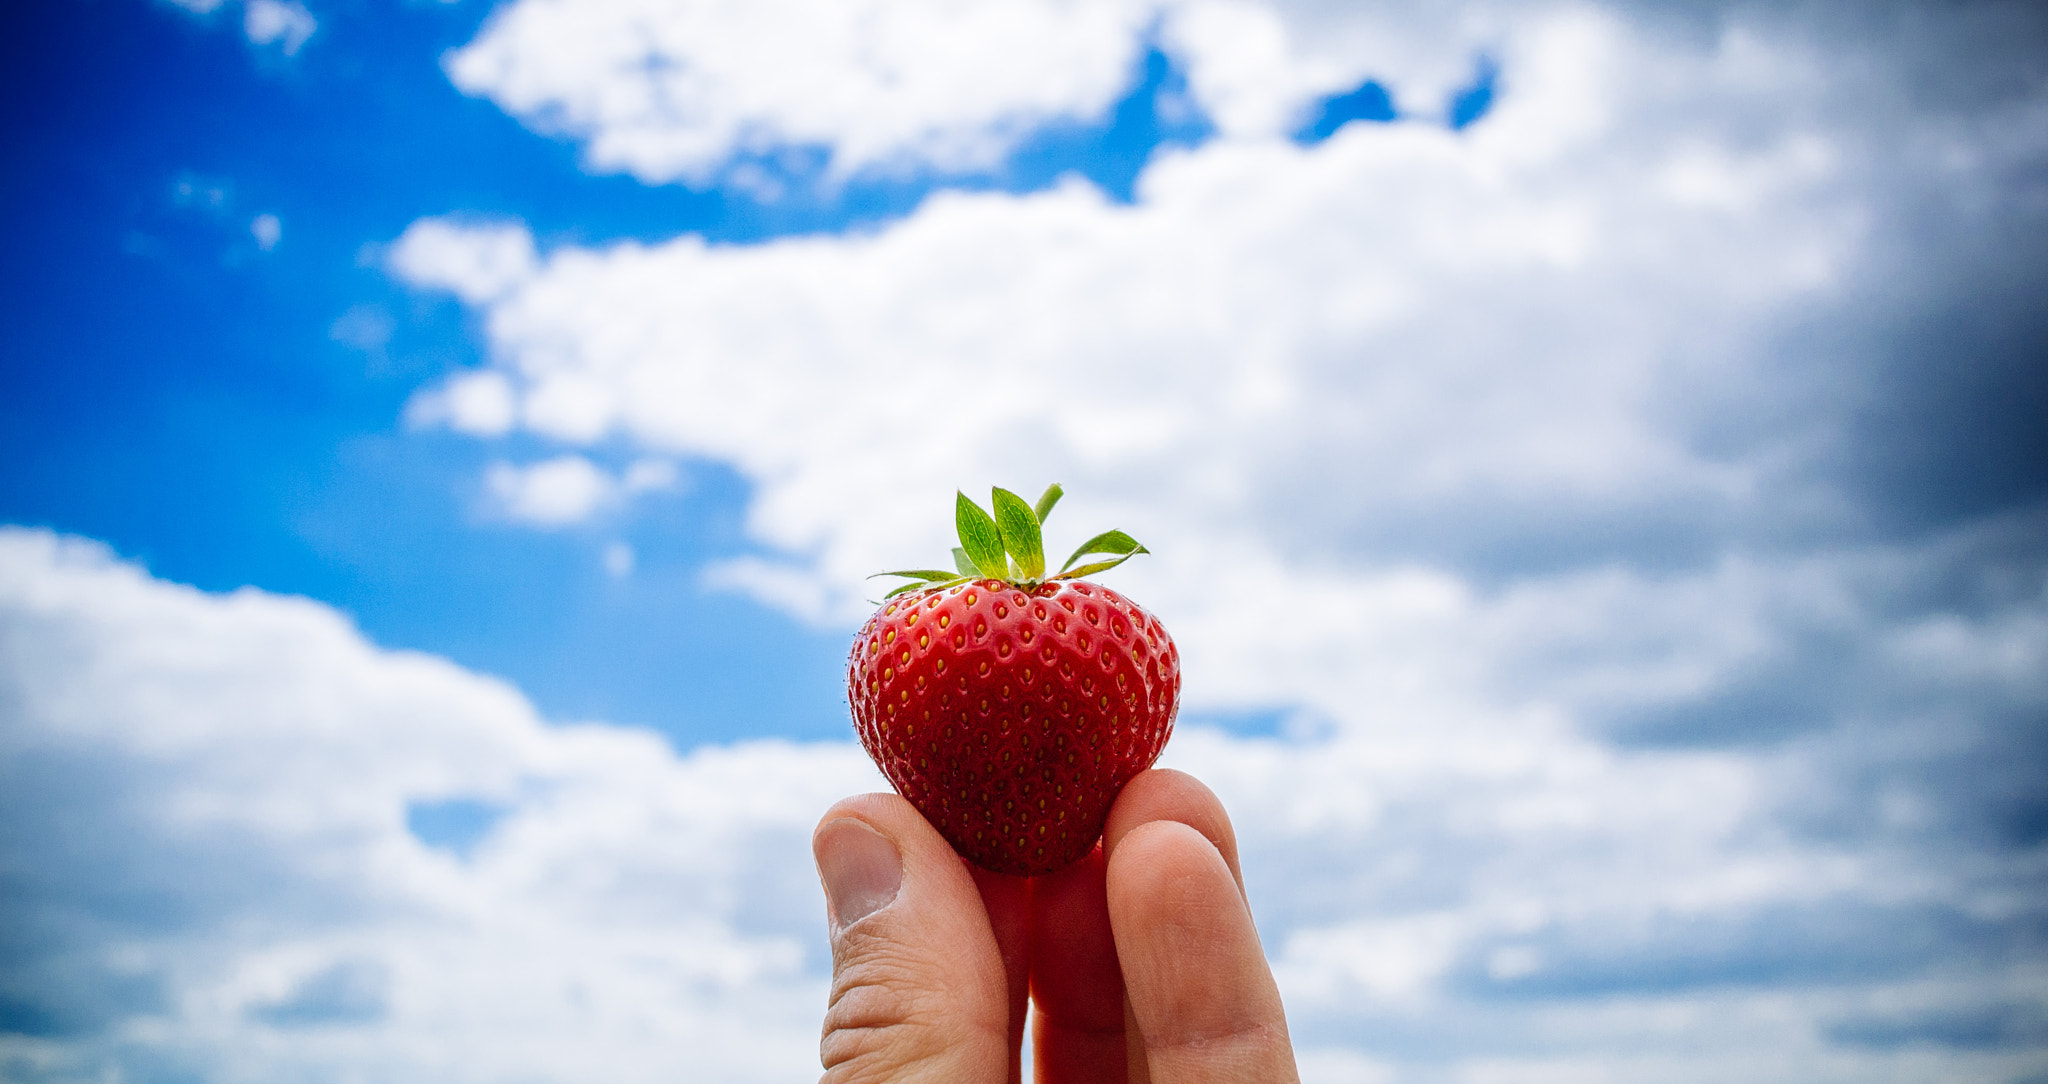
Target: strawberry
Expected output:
[1010,707]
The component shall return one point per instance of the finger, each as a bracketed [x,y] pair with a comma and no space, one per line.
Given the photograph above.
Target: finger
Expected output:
[1078,1034]
[1203,999]
[918,989]
[1008,903]
[1163,794]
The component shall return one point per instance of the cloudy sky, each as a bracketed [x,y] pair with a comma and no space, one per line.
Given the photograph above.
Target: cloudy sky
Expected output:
[1596,459]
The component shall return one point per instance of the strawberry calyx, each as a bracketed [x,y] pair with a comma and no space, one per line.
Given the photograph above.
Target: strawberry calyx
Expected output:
[1009,546]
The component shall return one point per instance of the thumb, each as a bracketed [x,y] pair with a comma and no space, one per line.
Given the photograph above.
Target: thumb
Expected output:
[918,987]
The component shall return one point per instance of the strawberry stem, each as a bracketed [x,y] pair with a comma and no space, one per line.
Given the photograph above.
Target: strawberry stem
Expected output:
[1010,545]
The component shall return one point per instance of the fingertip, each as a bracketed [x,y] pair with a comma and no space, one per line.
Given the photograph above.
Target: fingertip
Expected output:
[860,868]
[1164,794]
[1158,866]
[921,846]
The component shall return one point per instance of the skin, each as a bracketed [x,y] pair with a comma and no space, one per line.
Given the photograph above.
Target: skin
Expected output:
[1142,958]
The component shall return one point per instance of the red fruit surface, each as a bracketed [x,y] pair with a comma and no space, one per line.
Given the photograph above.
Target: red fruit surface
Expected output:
[1012,716]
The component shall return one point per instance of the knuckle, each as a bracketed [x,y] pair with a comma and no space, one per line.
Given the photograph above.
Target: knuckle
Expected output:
[884,1020]
[1250,1051]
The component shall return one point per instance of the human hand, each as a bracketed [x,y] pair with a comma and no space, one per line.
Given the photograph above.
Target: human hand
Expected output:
[1141,958]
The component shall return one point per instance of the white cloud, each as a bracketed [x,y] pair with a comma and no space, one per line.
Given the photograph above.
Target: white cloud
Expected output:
[570,489]
[551,493]
[240,767]
[477,263]
[1423,327]
[1399,343]
[283,23]
[480,404]
[786,586]
[697,91]
[649,476]
[267,231]
[673,91]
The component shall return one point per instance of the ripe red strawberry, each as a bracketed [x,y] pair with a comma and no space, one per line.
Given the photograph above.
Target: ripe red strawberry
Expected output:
[1010,707]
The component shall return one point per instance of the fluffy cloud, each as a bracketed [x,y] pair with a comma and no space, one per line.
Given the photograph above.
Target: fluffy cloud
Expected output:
[668,91]
[480,262]
[245,844]
[208,865]
[283,24]
[570,489]
[1618,320]
[700,92]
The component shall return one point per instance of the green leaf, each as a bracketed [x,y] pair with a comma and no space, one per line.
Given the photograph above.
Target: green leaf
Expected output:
[1106,542]
[1046,500]
[980,537]
[1093,567]
[921,574]
[924,586]
[1019,526]
[961,562]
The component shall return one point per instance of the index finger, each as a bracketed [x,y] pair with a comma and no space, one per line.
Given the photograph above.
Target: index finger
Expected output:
[1079,1031]
[1163,794]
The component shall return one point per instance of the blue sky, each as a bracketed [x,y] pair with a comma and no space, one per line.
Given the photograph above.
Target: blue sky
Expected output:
[1593,458]
[219,432]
